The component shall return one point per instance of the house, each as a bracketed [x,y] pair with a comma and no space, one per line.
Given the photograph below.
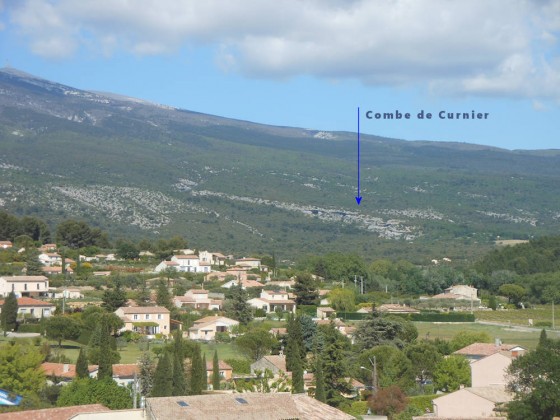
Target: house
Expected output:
[50,258]
[123,374]
[68,293]
[225,370]
[197,299]
[64,372]
[275,364]
[248,405]
[24,286]
[33,308]
[149,320]
[47,248]
[460,293]
[490,370]
[74,412]
[250,263]
[5,244]
[185,263]
[325,312]
[50,271]
[477,351]
[207,327]
[481,402]
[245,284]
[270,301]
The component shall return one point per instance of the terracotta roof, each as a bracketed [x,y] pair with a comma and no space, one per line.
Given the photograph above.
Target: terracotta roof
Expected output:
[186,257]
[197,292]
[248,405]
[222,365]
[61,413]
[144,310]
[63,370]
[278,361]
[484,349]
[27,301]
[125,370]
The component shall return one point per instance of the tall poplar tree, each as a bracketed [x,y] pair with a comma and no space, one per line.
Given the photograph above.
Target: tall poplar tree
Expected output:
[215,372]
[197,375]
[8,317]
[204,373]
[319,382]
[105,369]
[297,374]
[179,382]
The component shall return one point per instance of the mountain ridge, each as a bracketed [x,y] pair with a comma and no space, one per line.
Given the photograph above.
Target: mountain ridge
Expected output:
[143,169]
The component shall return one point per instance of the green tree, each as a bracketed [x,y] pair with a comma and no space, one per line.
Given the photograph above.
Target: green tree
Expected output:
[90,391]
[256,343]
[8,317]
[378,330]
[533,379]
[20,370]
[204,372]
[295,348]
[237,306]
[146,367]
[319,382]
[143,297]
[393,367]
[105,361]
[424,358]
[77,234]
[32,264]
[342,300]
[82,370]
[297,374]
[163,378]
[127,250]
[163,298]
[179,382]
[305,289]
[452,372]
[197,372]
[335,350]
[62,327]
[466,338]
[492,302]
[513,292]
[102,346]
[114,298]
[308,331]
[215,372]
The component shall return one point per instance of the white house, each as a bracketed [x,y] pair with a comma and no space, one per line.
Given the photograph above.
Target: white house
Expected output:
[186,264]
[197,299]
[270,300]
[33,308]
[207,327]
[245,284]
[149,320]
[249,262]
[50,258]
[24,286]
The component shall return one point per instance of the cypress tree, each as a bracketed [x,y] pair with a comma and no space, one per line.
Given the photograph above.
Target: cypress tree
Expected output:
[320,383]
[179,382]
[196,372]
[204,373]
[32,264]
[216,371]
[297,374]
[8,317]
[82,365]
[163,382]
[543,340]
[105,369]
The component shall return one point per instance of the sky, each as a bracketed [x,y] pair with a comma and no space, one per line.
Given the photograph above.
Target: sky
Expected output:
[311,63]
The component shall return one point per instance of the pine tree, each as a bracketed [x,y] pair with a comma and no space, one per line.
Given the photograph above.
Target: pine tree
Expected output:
[82,365]
[305,289]
[114,299]
[215,372]
[33,266]
[163,378]
[163,298]
[320,394]
[197,376]
[8,317]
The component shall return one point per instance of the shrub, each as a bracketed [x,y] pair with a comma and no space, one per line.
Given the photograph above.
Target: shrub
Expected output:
[240,365]
[31,328]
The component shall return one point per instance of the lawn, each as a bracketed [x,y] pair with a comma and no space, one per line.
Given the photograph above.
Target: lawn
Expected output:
[225,351]
[520,316]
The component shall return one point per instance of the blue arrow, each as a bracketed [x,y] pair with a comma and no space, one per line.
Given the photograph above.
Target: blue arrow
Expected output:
[358,197]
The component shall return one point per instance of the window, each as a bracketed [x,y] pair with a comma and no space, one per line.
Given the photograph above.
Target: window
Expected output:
[183,403]
[38,286]
[25,286]
[147,316]
[135,316]
[159,316]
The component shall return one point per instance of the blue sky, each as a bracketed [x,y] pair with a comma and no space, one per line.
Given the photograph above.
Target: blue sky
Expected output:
[310,63]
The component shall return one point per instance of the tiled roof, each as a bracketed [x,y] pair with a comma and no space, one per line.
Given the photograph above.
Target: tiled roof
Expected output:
[249,405]
[125,370]
[63,370]
[186,257]
[222,365]
[60,413]
[484,349]
[27,301]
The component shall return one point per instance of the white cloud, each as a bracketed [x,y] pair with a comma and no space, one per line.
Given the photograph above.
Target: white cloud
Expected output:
[502,47]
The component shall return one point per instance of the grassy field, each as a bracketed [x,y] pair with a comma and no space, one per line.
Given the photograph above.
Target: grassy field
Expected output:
[514,335]
[520,317]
